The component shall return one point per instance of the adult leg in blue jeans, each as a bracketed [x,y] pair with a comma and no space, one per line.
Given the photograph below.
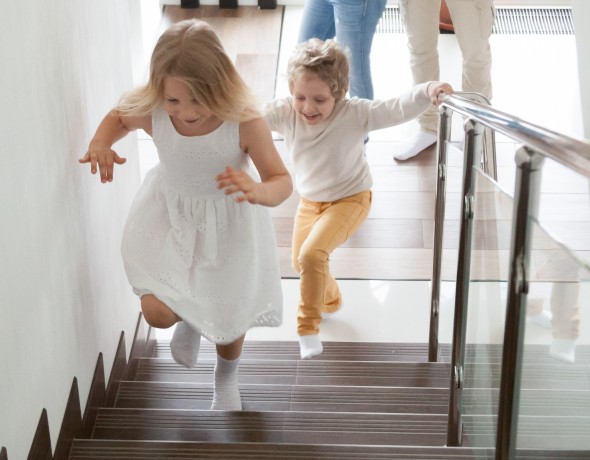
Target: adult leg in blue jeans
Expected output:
[353,24]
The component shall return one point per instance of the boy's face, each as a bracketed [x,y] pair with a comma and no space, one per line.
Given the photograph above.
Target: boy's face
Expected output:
[312,99]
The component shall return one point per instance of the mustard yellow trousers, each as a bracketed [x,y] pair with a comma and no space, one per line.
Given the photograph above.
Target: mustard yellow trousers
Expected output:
[319,228]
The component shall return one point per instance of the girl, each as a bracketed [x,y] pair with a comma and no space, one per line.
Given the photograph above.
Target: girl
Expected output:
[325,134]
[197,248]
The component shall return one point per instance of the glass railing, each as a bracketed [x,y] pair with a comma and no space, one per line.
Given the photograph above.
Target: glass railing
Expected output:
[490,246]
[554,399]
[511,386]
[554,391]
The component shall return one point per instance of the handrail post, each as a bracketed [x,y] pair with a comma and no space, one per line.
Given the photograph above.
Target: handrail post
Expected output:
[489,161]
[474,146]
[444,135]
[526,205]
[488,156]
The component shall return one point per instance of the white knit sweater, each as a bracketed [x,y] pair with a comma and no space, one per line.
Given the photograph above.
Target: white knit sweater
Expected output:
[328,158]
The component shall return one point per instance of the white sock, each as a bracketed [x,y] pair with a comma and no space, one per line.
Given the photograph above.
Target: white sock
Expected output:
[413,145]
[226,393]
[542,319]
[185,344]
[310,346]
[563,350]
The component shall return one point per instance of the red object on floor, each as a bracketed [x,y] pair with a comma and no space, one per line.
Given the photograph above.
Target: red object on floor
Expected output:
[445,22]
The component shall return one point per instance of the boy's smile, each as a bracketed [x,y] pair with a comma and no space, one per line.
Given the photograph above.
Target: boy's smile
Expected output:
[312,99]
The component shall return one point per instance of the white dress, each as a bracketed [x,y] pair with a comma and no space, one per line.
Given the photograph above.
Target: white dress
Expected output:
[211,260]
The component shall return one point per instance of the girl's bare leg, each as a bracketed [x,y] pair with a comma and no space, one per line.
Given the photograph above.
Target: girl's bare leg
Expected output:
[185,342]
[157,313]
[231,351]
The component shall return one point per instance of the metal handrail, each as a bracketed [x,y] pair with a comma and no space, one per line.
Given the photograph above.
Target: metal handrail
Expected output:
[538,143]
[570,152]
[488,155]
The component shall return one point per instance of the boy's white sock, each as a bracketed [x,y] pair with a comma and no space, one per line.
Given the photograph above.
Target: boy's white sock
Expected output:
[563,350]
[185,344]
[413,145]
[226,393]
[310,346]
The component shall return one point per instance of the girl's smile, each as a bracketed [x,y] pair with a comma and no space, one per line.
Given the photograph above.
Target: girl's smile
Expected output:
[189,116]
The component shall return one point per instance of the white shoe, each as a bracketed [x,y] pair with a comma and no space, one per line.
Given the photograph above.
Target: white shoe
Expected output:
[563,350]
[415,144]
[542,319]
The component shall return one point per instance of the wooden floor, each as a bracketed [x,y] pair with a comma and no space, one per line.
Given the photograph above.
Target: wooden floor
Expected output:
[396,240]
[251,36]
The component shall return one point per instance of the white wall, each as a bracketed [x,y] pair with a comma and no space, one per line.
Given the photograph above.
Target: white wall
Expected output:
[65,297]
[145,20]
[581,16]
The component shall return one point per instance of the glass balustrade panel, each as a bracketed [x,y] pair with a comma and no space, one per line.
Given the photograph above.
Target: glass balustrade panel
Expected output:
[490,248]
[554,411]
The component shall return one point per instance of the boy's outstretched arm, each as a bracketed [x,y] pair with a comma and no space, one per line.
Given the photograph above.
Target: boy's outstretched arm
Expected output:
[112,128]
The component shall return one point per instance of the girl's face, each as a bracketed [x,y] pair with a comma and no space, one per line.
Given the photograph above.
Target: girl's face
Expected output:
[312,98]
[188,115]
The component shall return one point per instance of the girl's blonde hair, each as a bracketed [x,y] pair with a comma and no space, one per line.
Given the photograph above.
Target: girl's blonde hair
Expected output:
[324,58]
[191,52]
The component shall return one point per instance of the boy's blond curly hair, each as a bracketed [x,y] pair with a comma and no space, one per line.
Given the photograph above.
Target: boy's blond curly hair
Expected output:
[324,58]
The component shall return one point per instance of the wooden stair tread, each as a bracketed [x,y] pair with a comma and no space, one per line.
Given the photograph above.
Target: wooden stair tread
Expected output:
[550,375]
[331,428]
[289,350]
[533,402]
[375,351]
[304,372]
[278,427]
[181,395]
[258,397]
[539,432]
[89,449]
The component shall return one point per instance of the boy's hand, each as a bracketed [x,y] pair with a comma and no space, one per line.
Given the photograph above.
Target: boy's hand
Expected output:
[233,181]
[436,91]
[105,158]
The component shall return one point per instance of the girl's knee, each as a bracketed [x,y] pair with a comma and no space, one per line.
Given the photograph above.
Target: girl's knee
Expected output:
[157,313]
[231,351]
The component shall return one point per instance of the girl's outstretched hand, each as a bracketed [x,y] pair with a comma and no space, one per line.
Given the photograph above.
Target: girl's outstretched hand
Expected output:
[105,159]
[438,89]
[234,181]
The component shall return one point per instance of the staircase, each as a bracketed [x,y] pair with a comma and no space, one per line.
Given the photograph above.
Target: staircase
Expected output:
[357,401]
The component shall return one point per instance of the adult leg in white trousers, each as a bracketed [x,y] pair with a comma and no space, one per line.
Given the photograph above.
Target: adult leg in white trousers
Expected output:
[472,21]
